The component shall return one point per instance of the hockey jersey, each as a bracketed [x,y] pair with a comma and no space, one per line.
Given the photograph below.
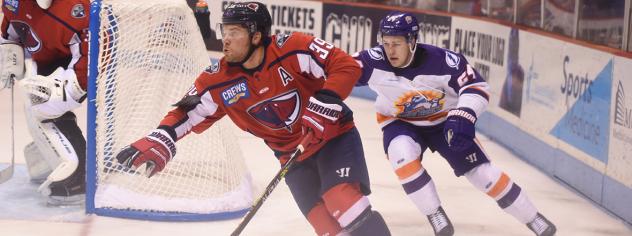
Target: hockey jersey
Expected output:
[437,81]
[267,101]
[54,37]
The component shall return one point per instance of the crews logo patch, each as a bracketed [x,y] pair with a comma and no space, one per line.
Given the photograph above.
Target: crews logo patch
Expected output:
[232,94]
[78,11]
[279,112]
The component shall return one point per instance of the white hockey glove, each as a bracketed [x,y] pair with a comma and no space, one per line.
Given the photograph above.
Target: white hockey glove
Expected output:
[11,64]
[52,96]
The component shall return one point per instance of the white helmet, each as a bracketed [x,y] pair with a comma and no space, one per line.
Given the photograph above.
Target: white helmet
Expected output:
[44,4]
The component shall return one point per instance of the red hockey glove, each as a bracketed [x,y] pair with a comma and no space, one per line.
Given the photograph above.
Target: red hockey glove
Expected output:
[324,116]
[459,128]
[155,149]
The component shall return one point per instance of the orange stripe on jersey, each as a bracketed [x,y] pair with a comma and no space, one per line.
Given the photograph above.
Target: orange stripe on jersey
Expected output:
[408,169]
[382,118]
[480,89]
[500,185]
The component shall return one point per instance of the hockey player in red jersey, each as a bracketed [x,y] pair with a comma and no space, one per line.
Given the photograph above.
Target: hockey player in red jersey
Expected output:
[429,98]
[54,34]
[280,88]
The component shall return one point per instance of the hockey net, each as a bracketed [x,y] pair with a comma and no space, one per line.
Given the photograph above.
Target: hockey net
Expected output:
[149,54]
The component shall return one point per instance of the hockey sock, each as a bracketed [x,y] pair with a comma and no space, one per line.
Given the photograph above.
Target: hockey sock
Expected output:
[419,187]
[369,223]
[501,188]
[404,154]
[322,222]
[345,202]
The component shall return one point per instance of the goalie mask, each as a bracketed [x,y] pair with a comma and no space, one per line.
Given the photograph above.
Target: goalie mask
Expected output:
[400,24]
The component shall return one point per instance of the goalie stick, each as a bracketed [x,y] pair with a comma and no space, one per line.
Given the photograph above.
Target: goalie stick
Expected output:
[7,173]
[275,181]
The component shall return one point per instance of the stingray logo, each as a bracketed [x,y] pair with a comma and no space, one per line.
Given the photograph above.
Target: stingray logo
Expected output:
[622,114]
[452,59]
[279,112]
[232,94]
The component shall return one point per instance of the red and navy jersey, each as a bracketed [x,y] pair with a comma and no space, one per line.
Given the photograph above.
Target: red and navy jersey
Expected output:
[54,37]
[268,101]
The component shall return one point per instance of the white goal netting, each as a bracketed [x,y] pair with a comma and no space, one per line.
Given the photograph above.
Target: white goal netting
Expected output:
[150,52]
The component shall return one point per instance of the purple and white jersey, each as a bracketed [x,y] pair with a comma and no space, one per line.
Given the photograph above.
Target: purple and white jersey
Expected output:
[437,81]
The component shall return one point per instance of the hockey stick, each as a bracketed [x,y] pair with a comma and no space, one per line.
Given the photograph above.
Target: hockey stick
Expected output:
[7,173]
[277,178]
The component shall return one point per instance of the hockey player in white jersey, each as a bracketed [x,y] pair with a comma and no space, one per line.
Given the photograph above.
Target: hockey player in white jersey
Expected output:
[430,98]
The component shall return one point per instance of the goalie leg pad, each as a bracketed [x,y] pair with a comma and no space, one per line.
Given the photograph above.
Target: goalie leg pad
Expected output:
[37,166]
[41,134]
[74,184]
[62,145]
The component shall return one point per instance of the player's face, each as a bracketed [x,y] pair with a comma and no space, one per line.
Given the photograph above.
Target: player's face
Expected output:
[397,50]
[236,41]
